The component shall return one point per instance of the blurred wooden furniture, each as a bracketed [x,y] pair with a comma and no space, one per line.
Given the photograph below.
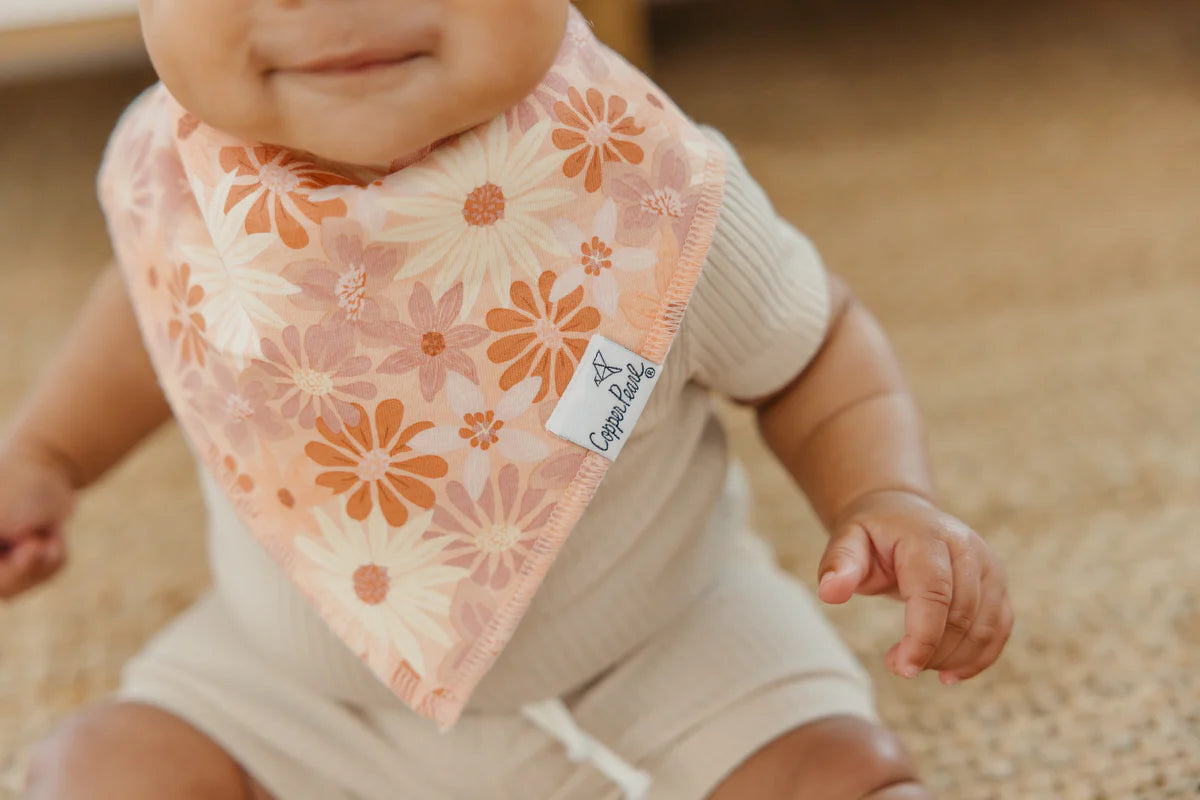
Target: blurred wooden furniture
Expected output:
[623,25]
[56,47]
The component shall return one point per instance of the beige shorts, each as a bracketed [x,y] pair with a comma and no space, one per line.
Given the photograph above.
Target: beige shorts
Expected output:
[750,660]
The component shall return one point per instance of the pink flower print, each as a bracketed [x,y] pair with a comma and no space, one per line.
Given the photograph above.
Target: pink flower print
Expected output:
[317,377]
[484,427]
[471,611]
[596,255]
[350,287]
[538,105]
[558,470]
[580,47]
[668,197]
[491,536]
[176,200]
[433,344]
[238,404]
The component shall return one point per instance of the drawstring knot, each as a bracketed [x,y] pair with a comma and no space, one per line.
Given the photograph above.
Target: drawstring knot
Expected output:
[555,719]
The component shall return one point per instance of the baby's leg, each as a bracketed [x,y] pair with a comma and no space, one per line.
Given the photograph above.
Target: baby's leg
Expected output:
[135,752]
[836,758]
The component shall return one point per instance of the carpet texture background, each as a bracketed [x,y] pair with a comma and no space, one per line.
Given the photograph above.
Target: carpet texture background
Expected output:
[1014,189]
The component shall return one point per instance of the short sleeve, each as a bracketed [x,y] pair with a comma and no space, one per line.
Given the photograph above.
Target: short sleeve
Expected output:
[760,309]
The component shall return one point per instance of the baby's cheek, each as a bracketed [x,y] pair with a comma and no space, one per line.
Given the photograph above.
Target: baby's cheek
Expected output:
[201,52]
[498,60]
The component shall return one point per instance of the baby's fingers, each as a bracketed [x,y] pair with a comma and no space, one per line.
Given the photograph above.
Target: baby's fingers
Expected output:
[925,580]
[985,640]
[28,563]
[965,605]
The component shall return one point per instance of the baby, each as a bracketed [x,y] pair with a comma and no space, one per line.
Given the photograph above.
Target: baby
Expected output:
[407,273]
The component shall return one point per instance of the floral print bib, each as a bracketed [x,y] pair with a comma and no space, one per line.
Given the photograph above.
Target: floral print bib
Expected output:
[366,361]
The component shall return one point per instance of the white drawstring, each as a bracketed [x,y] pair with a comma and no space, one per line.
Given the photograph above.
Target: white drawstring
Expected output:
[555,719]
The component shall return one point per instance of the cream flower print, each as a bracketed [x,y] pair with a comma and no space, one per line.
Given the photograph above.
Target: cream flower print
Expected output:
[596,254]
[476,208]
[484,427]
[234,288]
[390,582]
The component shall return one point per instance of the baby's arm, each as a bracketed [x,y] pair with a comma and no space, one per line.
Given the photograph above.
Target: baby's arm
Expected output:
[850,434]
[96,400]
[99,396]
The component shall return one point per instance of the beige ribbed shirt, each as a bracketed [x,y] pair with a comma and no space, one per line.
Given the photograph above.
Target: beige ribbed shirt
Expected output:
[662,523]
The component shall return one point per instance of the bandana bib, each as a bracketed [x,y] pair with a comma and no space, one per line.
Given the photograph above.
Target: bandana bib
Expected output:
[409,383]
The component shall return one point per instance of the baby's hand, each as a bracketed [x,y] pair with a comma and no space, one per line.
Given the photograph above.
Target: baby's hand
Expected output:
[957,615]
[36,498]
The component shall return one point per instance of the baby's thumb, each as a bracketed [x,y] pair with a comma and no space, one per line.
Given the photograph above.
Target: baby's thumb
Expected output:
[845,564]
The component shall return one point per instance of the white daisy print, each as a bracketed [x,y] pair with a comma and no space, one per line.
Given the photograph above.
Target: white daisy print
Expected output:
[596,255]
[390,581]
[475,207]
[233,287]
[485,427]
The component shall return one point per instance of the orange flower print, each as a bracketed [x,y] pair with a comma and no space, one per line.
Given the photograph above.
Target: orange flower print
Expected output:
[482,425]
[546,339]
[187,125]
[233,478]
[187,325]
[597,131]
[368,461]
[281,184]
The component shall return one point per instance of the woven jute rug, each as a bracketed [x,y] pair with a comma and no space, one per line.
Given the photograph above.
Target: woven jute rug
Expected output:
[1015,190]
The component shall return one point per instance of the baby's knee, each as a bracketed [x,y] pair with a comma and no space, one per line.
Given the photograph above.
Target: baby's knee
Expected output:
[836,758]
[98,750]
[132,751]
[870,758]
[74,749]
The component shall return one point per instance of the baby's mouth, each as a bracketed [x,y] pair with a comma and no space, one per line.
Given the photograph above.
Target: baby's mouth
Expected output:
[349,63]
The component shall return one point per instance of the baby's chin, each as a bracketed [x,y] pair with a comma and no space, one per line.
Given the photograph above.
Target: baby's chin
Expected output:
[357,147]
[372,135]
[380,123]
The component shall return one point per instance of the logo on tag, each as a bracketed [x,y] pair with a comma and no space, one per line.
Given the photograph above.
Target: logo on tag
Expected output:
[601,405]
[604,370]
